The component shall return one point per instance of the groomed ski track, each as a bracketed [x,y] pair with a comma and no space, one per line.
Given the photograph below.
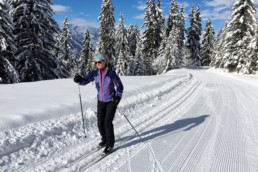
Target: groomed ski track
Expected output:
[191,120]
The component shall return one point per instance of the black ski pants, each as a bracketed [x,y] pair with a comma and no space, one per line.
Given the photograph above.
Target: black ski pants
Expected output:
[106,113]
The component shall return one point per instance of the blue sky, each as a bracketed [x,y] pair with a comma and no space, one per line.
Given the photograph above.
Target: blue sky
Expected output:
[86,12]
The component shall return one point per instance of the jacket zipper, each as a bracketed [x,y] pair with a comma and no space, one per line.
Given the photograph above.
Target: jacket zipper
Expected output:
[101,84]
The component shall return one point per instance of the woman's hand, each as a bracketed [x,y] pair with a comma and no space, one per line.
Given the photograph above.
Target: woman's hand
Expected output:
[77,78]
[117,100]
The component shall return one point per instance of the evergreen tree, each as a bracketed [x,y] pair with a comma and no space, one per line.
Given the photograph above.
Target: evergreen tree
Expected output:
[149,48]
[87,55]
[57,50]
[75,62]
[171,51]
[122,48]
[181,38]
[161,24]
[163,34]
[65,54]
[138,62]
[216,48]
[193,38]
[253,51]
[198,35]
[106,43]
[131,37]
[219,58]
[241,30]
[208,44]
[174,17]
[62,66]
[34,31]
[254,64]
[8,73]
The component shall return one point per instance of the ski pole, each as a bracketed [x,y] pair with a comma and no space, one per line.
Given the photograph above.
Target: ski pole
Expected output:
[133,128]
[82,111]
[151,150]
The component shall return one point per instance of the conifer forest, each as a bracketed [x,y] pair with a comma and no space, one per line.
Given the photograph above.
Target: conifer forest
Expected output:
[33,47]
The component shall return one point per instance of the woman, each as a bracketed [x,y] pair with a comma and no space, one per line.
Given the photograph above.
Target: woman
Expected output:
[108,98]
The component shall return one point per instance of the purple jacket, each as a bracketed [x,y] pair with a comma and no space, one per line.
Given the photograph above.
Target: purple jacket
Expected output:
[105,81]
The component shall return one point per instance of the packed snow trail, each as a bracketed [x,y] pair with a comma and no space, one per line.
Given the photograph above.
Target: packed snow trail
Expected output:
[189,120]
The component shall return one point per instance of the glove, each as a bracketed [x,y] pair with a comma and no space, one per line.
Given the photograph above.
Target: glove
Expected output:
[117,100]
[77,78]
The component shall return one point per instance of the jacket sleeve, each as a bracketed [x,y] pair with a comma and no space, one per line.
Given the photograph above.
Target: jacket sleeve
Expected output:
[118,84]
[87,79]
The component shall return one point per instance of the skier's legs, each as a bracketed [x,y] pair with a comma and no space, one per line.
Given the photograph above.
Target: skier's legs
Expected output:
[101,110]
[110,113]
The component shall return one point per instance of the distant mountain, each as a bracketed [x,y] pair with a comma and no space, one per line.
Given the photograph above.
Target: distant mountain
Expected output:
[78,32]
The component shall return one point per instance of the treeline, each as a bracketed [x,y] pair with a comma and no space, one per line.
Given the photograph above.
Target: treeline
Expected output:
[34,48]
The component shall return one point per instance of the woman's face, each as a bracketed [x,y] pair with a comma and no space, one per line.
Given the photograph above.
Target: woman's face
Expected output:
[100,64]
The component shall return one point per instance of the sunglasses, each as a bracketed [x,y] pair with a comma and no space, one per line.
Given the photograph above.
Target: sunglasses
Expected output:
[98,62]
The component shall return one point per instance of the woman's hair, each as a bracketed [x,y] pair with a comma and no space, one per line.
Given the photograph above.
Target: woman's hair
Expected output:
[107,60]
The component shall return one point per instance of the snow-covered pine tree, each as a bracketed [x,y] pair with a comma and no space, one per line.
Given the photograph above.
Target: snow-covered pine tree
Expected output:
[66,48]
[171,51]
[75,62]
[34,31]
[198,20]
[136,65]
[193,38]
[138,62]
[56,49]
[217,43]
[174,17]
[241,30]
[149,48]
[208,42]
[61,67]
[106,42]
[131,39]
[253,51]
[181,38]
[161,24]
[122,48]
[161,52]
[87,55]
[8,73]
[219,58]
[254,64]
[163,43]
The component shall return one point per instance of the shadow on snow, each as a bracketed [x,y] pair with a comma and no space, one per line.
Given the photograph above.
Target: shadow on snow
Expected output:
[185,124]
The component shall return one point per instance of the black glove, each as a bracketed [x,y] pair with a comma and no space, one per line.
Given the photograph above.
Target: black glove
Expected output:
[117,100]
[77,78]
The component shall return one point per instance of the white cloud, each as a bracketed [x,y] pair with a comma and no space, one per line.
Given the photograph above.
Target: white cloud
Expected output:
[215,3]
[227,3]
[186,4]
[141,5]
[219,9]
[60,8]
[83,22]
[141,16]
[223,15]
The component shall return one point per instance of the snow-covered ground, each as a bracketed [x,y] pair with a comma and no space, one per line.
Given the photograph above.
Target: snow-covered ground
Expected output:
[188,119]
